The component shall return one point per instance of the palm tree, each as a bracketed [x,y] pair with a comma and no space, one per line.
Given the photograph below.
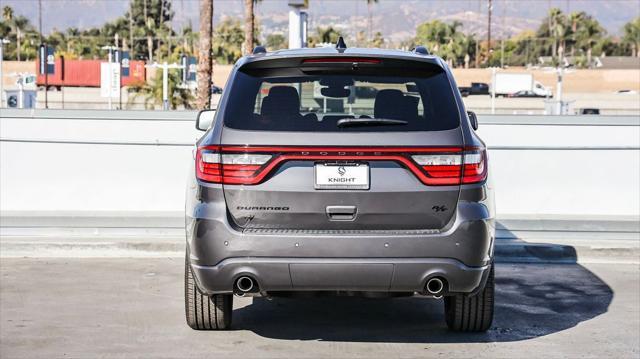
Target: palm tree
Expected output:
[249,25]
[189,37]
[204,55]
[444,39]
[557,22]
[7,13]
[588,32]
[19,25]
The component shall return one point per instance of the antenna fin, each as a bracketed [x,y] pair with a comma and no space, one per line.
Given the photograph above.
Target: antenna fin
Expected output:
[341,45]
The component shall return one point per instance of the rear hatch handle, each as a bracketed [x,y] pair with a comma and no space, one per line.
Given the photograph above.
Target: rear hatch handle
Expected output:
[342,213]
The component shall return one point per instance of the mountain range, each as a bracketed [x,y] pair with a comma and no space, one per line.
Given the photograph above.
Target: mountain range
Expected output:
[395,19]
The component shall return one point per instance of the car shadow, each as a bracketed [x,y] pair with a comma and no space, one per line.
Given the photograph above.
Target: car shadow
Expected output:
[532,300]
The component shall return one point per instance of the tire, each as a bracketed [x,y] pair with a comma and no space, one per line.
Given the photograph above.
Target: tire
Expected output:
[471,314]
[205,312]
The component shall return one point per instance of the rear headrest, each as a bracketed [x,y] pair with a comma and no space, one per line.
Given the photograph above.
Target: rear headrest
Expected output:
[389,104]
[282,100]
[410,108]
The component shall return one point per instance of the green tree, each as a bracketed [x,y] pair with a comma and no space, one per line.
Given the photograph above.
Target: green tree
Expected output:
[7,13]
[587,33]
[189,39]
[146,19]
[631,36]
[378,40]
[524,52]
[553,29]
[228,38]
[16,29]
[327,35]
[151,92]
[445,40]
[276,42]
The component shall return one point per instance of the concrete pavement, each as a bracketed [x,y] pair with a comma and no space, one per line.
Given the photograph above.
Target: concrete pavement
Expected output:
[133,307]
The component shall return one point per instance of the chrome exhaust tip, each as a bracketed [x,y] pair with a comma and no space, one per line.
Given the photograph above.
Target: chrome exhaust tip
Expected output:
[245,284]
[435,287]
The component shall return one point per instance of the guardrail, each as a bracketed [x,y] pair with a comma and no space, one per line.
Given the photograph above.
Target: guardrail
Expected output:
[134,163]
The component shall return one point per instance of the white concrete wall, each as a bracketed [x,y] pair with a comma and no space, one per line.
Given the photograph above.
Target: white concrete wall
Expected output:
[564,170]
[51,162]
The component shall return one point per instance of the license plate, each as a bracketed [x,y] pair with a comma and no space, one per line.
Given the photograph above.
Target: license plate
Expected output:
[337,176]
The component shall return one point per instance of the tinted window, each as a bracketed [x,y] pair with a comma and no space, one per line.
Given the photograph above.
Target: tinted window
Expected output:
[317,102]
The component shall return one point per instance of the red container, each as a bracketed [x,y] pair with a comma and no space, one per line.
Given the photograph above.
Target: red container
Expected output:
[86,73]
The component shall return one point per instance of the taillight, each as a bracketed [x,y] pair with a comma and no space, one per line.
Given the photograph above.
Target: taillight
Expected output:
[475,166]
[454,168]
[232,168]
[250,165]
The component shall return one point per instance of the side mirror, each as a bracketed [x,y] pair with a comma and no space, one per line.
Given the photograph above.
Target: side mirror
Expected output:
[473,119]
[205,119]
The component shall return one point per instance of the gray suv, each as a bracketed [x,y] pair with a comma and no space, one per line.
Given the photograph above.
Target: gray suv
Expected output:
[340,171]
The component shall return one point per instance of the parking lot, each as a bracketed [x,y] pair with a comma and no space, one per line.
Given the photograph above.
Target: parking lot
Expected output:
[71,307]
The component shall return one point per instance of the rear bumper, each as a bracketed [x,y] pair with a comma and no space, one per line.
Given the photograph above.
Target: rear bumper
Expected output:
[316,260]
[329,274]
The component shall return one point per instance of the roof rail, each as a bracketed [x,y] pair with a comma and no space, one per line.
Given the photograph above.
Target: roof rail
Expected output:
[259,50]
[421,50]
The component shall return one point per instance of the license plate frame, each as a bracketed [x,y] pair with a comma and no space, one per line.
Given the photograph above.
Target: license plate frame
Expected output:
[345,176]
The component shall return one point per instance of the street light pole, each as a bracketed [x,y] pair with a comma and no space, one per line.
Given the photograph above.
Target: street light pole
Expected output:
[165,86]
[165,80]
[109,61]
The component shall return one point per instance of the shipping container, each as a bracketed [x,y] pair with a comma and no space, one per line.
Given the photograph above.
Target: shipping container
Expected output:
[86,73]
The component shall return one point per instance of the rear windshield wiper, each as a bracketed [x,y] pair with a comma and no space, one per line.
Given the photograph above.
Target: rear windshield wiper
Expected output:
[350,122]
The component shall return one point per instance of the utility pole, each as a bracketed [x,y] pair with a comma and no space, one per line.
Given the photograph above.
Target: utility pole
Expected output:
[502,54]
[46,70]
[2,42]
[504,17]
[490,8]
[131,30]
[40,19]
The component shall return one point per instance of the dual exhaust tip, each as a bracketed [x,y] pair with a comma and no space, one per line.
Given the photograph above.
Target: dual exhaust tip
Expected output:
[245,285]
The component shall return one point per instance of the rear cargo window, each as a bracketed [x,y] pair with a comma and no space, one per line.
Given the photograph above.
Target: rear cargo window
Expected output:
[342,102]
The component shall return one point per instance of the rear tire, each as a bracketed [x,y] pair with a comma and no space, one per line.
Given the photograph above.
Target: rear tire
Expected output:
[471,314]
[205,312]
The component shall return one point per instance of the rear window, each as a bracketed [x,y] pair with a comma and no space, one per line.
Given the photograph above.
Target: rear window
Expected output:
[325,102]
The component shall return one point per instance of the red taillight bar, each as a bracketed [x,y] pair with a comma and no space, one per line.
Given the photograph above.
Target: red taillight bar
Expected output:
[251,174]
[319,149]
